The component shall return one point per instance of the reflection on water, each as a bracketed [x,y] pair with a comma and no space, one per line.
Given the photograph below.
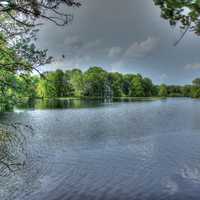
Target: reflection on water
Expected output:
[58,104]
[123,150]
[72,103]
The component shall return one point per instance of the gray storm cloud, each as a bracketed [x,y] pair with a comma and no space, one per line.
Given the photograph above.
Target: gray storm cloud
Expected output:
[127,36]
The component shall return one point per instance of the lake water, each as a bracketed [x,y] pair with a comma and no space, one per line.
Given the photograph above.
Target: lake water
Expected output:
[89,150]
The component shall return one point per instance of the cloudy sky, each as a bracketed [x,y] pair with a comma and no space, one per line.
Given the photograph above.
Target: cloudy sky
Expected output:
[127,36]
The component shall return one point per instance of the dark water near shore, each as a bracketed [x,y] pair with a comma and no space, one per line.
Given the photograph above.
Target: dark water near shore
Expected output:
[108,151]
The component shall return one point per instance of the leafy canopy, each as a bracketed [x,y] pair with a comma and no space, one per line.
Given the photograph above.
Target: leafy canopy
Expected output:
[184,12]
[20,21]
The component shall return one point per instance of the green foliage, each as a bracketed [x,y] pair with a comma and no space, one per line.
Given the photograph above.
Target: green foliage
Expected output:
[115,81]
[127,78]
[137,86]
[184,12]
[163,91]
[55,84]
[196,82]
[7,85]
[175,91]
[186,90]
[18,53]
[94,82]
[76,81]
[195,92]
[148,87]
[45,88]
[19,57]
[26,86]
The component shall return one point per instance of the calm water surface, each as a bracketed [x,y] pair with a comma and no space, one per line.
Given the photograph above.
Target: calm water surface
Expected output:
[108,151]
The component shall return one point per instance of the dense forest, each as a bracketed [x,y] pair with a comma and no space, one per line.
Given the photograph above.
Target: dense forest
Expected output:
[93,83]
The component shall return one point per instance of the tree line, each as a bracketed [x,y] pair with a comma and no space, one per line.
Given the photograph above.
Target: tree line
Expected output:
[95,82]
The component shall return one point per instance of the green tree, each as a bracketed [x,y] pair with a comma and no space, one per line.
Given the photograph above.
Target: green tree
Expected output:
[186,90]
[58,79]
[77,82]
[163,91]
[46,86]
[148,87]
[195,92]
[115,80]
[95,79]
[127,78]
[137,87]
[19,55]
[155,90]
[8,84]
[19,28]
[196,82]
[55,84]
[174,91]
[26,86]
[183,12]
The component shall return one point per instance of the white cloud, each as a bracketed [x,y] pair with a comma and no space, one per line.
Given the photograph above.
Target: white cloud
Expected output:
[134,51]
[141,49]
[114,51]
[192,66]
